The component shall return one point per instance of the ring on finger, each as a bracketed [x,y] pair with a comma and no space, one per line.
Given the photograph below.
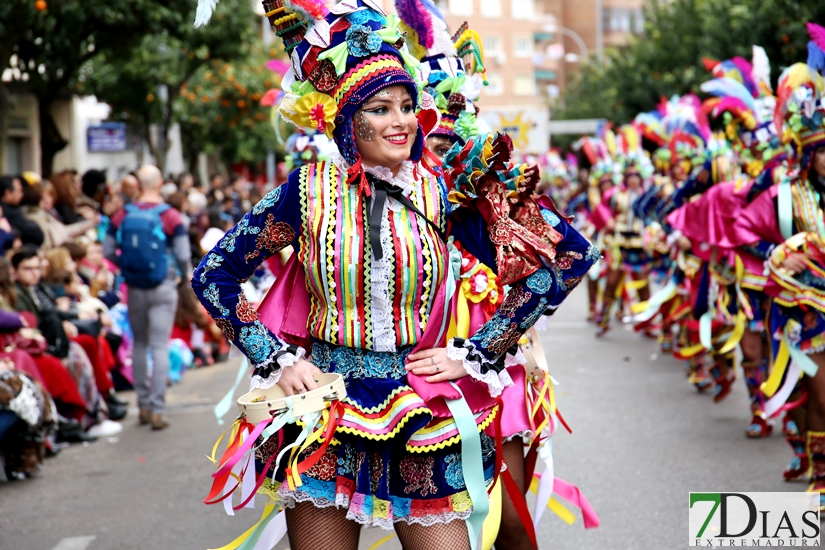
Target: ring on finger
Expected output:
[432,361]
[437,369]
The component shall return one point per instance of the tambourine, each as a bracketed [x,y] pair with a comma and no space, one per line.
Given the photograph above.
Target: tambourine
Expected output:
[535,362]
[261,404]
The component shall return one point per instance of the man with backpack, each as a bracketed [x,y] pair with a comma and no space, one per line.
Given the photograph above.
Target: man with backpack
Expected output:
[154,258]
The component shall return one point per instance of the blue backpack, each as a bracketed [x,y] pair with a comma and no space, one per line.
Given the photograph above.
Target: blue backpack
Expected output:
[144,256]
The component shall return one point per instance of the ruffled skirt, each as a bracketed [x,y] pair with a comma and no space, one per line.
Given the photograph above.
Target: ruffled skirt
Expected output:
[390,459]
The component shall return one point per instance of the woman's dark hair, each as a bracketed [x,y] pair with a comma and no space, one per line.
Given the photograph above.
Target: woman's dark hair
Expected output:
[59,277]
[32,194]
[64,190]
[189,309]
[93,181]
[6,283]
[175,200]
[76,250]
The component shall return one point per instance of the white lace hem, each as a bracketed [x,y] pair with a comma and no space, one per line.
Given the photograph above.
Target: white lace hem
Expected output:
[496,381]
[284,360]
[291,498]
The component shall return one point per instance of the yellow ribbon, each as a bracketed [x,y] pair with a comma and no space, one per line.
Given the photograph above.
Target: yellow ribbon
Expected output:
[234,428]
[235,544]
[382,541]
[771,385]
[738,332]
[492,523]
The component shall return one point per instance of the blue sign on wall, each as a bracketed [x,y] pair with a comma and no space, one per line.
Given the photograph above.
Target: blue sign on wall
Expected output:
[109,137]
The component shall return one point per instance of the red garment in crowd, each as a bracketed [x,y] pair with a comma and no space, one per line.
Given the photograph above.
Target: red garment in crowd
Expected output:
[102,359]
[57,380]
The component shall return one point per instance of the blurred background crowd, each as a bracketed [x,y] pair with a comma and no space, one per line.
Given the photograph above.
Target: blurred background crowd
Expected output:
[65,339]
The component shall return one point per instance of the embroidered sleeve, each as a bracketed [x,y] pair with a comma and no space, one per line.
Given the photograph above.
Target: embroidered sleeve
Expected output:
[485,353]
[263,231]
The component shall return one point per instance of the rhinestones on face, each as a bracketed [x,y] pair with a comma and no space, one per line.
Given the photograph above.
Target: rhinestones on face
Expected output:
[364,130]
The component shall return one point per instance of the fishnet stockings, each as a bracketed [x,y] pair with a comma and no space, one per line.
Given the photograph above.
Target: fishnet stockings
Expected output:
[312,528]
[451,535]
[511,534]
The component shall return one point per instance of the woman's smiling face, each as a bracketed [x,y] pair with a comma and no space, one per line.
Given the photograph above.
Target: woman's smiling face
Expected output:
[385,127]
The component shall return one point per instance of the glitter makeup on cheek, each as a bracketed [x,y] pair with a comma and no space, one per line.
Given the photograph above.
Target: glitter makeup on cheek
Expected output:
[363,129]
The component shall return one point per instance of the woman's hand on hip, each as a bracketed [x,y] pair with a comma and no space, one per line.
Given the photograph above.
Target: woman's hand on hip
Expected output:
[298,378]
[435,364]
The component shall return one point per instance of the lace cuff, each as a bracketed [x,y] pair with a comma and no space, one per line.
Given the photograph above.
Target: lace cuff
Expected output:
[479,367]
[268,373]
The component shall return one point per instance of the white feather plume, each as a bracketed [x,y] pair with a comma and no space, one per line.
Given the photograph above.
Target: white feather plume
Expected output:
[761,67]
[443,43]
[204,12]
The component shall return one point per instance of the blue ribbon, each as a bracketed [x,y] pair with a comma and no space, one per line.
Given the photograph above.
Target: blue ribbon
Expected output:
[471,464]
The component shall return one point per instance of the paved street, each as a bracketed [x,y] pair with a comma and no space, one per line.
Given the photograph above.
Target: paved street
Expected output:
[642,439]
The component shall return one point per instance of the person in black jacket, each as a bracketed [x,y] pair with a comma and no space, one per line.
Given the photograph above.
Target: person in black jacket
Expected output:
[11,193]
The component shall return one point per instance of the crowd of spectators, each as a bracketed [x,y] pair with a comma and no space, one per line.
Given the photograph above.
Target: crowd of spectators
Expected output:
[66,344]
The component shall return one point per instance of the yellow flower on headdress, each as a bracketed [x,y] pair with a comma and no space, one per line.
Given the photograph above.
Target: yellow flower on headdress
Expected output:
[315,110]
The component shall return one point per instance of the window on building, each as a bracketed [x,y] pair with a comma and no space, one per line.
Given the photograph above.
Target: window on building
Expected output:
[523,9]
[623,20]
[524,85]
[492,45]
[522,46]
[461,7]
[639,22]
[495,86]
[491,8]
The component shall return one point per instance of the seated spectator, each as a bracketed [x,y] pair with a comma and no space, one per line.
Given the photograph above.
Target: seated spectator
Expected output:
[38,202]
[27,418]
[185,182]
[66,196]
[11,193]
[24,347]
[195,327]
[93,184]
[81,353]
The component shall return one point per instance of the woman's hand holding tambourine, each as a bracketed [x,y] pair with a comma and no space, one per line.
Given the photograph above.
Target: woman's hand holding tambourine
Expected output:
[298,378]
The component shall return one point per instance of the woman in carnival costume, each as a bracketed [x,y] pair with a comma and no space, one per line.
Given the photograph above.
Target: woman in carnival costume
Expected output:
[742,97]
[370,231]
[623,229]
[787,228]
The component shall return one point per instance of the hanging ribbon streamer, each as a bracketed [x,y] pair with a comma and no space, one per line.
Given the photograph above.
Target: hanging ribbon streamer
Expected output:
[226,401]
[544,482]
[471,463]
[798,356]
[492,523]
[776,404]
[645,311]
[705,334]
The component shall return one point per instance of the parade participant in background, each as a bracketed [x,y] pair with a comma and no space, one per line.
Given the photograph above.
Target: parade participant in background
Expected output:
[623,229]
[786,226]
[455,87]
[388,217]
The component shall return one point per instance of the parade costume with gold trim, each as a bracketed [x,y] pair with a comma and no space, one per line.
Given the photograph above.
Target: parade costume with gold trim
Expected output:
[376,288]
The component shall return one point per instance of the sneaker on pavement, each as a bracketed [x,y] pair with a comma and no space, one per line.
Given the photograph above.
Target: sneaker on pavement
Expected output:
[107,428]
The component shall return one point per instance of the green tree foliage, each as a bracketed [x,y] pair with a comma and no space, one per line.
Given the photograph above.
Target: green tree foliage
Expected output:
[220,112]
[144,88]
[667,58]
[46,48]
